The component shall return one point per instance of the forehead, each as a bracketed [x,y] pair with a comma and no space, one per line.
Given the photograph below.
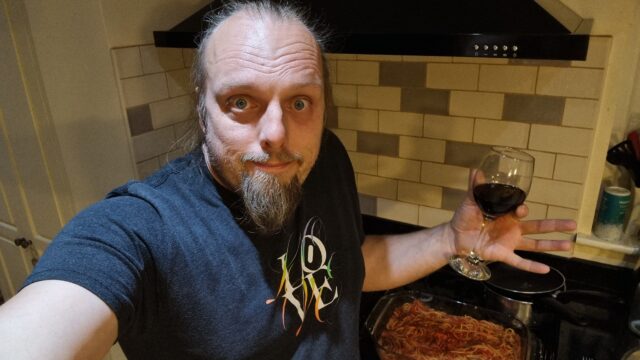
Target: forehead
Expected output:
[252,48]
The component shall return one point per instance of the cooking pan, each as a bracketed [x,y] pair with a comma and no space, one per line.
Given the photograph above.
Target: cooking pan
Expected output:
[519,292]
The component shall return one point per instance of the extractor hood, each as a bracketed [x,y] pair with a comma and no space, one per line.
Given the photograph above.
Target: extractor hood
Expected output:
[481,28]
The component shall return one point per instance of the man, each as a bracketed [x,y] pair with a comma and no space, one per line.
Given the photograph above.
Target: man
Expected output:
[249,247]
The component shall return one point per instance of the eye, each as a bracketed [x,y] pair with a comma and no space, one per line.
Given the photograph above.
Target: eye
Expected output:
[300,104]
[240,103]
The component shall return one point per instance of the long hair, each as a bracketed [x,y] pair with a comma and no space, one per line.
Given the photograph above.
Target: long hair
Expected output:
[283,10]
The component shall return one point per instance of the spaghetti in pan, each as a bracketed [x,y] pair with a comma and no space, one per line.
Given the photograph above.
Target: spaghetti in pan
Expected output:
[412,326]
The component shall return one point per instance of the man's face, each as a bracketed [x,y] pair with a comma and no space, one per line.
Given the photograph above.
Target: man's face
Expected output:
[265,106]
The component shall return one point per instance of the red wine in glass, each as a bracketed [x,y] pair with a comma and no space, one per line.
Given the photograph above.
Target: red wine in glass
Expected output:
[500,185]
[495,199]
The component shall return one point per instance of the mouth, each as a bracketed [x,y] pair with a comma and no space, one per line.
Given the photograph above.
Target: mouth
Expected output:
[273,168]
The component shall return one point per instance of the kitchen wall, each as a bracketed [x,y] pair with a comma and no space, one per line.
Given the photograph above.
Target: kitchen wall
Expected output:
[388,111]
[412,125]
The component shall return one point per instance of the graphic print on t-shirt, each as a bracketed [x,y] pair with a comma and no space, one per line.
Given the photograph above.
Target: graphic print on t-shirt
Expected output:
[307,283]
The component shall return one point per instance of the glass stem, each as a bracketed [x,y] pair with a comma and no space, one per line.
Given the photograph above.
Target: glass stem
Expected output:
[473,257]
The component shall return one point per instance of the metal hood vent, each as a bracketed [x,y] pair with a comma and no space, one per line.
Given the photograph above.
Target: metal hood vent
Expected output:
[477,28]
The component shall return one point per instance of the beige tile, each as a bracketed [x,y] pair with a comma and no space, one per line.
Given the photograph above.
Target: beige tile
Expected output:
[452,76]
[364,163]
[184,128]
[430,217]
[153,143]
[398,211]
[450,176]
[401,169]
[452,198]
[146,168]
[465,154]
[499,132]
[570,82]
[559,139]
[379,97]
[476,104]
[400,123]
[448,127]
[555,192]
[420,194]
[508,78]
[155,59]
[580,113]
[544,163]
[349,138]
[332,66]
[171,111]
[179,82]
[379,57]
[377,186]
[481,60]
[334,56]
[555,212]
[358,72]
[188,55]
[421,149]
[540,62]
[144,89]
[598,53]
[358,119]
[430,59]
[128,62]
[345,95]
[570,168]
[536,211]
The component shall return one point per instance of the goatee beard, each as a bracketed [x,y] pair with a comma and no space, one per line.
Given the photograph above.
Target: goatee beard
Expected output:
[269,203]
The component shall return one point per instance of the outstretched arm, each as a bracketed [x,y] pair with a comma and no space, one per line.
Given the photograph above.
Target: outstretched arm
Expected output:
[54,319]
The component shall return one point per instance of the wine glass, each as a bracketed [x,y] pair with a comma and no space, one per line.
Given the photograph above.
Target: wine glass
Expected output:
[500,185]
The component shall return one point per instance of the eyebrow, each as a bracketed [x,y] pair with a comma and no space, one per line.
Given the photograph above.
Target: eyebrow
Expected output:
[243,85]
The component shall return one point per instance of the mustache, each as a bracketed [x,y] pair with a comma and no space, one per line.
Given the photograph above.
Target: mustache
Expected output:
[282,156]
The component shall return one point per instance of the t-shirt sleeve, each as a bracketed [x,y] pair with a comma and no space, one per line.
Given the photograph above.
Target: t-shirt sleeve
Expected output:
[104,250]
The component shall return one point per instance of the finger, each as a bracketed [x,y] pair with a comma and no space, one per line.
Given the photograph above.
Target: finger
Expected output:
[522,211]
[545,245]
[546,226]
[525,264]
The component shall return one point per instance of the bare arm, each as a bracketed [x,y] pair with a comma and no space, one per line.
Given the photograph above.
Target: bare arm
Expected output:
[54,319]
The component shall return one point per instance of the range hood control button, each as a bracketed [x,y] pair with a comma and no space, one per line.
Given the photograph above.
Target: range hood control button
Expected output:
[495,47]
[486,47]
[515,48]
[476,47]
[505,47]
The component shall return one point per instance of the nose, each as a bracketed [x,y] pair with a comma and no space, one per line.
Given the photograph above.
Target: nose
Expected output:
[272,129]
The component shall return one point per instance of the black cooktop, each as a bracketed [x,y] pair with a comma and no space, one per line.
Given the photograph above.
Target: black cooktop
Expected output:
[604,337]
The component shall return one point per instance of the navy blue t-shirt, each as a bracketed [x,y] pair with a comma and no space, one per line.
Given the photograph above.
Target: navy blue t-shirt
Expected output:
[187,281]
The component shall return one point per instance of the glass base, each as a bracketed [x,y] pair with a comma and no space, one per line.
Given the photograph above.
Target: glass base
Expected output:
[470,266]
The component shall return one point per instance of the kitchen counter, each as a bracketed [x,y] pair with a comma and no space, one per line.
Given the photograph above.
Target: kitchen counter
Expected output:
[606,336]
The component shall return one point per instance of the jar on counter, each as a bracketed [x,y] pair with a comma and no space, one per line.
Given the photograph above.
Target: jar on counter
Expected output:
[614,205]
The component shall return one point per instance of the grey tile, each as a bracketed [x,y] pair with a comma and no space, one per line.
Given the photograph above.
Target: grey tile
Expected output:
[139,119]
[374,143]
[331,117]
[403,74]
[452,198]
[533,109]
[535,62]
[368,204]
[464,154]
[425,101]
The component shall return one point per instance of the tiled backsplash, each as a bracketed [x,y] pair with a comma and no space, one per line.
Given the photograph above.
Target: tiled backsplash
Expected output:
[413,126]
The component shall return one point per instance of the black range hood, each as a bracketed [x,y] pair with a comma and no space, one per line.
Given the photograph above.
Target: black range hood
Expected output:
[476,28]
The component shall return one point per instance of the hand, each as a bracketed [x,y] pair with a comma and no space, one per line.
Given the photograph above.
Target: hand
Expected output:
[505,234]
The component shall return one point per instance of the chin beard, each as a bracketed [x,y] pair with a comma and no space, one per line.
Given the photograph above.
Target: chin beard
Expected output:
[269,203]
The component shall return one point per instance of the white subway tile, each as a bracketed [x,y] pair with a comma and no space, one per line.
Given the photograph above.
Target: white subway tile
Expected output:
[398,211]
[559,139]
[500,132]
[448,127]
[430,217]
[399,168]
[455,177]
[358,119]
[421,149]
[401,123]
